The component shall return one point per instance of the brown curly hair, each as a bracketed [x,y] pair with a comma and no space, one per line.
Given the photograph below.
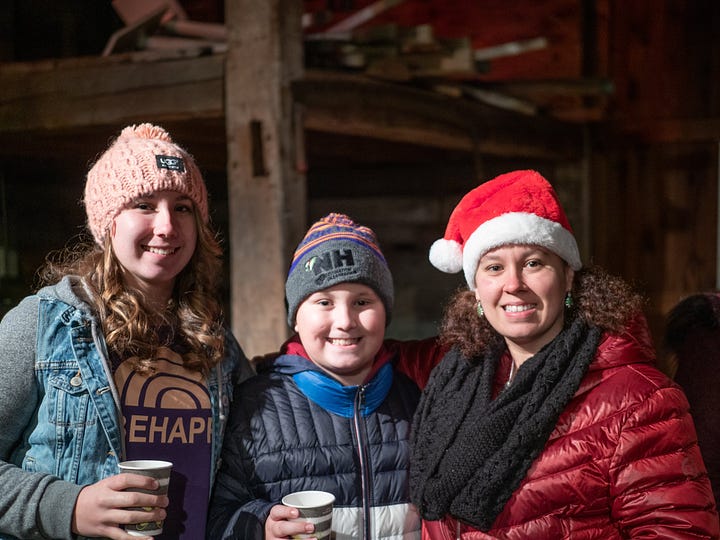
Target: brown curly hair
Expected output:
[130,327]
[601,299]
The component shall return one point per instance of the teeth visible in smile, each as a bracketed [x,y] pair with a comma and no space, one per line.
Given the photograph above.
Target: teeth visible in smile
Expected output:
[161,251]
[343,341]
[517,309]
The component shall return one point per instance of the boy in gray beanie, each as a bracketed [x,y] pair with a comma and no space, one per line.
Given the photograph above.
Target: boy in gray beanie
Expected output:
[337,250]
[333,411]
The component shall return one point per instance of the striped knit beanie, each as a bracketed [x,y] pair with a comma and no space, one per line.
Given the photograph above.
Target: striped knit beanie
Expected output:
[337,250]
[143,159]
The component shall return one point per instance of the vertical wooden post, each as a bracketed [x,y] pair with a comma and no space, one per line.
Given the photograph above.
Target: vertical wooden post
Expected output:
[267,193]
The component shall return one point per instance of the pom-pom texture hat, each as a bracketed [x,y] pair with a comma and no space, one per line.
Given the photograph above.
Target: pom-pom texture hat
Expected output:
[518,207]
[337,250]
[143,159]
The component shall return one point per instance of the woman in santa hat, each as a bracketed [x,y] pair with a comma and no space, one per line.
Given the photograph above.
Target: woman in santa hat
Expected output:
[547,419]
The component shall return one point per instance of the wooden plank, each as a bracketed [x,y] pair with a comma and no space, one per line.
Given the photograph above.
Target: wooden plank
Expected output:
[360,106]
[654,220]
[75,94]
[674,130]
[267,193]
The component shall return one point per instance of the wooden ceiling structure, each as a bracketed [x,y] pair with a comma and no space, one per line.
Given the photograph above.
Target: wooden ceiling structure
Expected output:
[255,111]
[62,105]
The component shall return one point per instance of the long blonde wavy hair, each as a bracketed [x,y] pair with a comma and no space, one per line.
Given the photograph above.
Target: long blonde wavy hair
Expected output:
[130,327]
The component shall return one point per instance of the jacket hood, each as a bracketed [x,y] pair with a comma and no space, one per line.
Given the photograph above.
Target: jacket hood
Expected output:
[323,389]
[631,346]
[71,290]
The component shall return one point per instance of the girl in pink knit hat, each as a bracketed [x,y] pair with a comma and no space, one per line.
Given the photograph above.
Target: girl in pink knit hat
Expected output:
[547,419]
[122,355]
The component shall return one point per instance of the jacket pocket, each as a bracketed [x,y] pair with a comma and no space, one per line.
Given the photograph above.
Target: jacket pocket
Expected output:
[68,400]
[58,442]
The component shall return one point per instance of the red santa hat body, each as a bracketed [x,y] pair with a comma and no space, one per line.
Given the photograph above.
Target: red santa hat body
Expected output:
[518,207]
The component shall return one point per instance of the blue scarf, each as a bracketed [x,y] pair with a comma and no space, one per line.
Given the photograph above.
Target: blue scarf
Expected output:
[338,399]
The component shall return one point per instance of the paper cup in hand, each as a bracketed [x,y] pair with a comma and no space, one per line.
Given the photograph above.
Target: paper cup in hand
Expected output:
[160,470]
[315,507]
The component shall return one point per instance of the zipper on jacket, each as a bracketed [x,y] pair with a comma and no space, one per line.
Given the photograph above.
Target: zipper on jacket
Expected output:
[361,435]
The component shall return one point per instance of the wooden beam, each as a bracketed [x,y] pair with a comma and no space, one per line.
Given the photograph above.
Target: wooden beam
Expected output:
[673,130]
[167,87]
[109,91]
[267,192]
[360,106]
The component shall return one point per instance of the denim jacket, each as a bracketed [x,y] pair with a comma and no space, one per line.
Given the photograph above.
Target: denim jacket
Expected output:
[76,431]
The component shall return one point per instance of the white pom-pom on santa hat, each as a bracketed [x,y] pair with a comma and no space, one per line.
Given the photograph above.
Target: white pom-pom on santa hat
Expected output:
[446,255]
[519,207]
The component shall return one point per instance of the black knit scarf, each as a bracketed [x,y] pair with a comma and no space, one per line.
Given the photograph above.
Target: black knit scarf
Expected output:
[471,452]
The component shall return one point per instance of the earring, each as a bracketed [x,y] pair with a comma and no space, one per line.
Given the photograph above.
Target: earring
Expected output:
[480,310]
[569,300]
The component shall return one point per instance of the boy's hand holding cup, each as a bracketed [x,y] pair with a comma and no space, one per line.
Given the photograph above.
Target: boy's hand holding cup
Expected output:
[315,507]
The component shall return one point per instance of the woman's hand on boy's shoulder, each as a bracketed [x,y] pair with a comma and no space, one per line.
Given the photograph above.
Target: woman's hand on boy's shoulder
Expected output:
[417,358]
[262,358]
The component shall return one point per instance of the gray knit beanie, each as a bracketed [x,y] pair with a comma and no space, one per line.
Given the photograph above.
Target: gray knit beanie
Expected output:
[337,250]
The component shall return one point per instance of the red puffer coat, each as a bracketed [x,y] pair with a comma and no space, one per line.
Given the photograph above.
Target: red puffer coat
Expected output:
[622,462]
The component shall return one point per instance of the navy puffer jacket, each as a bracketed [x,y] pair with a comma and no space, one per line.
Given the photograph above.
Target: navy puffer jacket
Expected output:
[285,435]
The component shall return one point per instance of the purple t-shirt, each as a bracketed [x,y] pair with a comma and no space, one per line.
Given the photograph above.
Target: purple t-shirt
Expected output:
[168,416]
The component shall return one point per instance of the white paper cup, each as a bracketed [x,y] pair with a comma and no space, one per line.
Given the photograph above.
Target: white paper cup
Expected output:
[160,470]
[315,507]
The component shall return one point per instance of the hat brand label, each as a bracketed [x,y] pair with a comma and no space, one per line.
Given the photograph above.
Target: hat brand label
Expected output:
[170,163]
[331,264]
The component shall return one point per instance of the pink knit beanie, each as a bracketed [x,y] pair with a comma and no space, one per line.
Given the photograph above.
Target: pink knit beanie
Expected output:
[142,160]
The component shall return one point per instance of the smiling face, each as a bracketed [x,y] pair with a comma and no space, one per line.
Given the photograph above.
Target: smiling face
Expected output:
[342,328]
[522,291]
[154,238]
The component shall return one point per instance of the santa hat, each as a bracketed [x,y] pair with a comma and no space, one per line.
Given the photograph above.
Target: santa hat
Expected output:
[518,207]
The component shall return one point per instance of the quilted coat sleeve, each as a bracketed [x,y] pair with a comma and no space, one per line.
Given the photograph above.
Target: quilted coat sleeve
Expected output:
[659,485]
[234,511]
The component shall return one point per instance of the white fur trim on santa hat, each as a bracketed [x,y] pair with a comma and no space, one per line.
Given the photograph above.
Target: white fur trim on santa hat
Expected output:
[446,255]
[518,228]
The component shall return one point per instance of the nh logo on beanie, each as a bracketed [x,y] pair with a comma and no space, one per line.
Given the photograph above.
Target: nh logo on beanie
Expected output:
[331,264]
